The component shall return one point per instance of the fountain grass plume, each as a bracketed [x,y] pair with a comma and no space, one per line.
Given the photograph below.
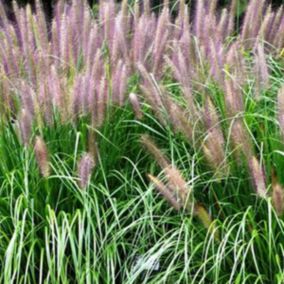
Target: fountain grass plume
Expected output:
[258,177]
[42,158]
[32,49]
[176,190]
[85,167]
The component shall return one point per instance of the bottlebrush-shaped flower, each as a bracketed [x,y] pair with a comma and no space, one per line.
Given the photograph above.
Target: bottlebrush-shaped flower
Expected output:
[214,144]
[139,43]
[152,92]
[133,98]
[261,70]
[258,177]
[176,190]
[45,104]
[198,19]
[223,25]
[178,118]
[279,16]
[119,83]
[120,43]
[165,191]
[178,186]
[236,65]
[216,61]
[233,97]
[278,40]
[25,126]
[107,19]
[160,41]
[155,151]
[41,154]
[278,198]
[101,103]
[27,96]
[77,96]
[85,168]
[241,140]
[252,20]
[266,26]
[182,21]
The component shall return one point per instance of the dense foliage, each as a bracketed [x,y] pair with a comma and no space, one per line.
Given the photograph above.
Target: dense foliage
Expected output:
[201,92]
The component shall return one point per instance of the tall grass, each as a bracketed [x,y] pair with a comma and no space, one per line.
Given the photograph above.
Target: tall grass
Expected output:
[106,115]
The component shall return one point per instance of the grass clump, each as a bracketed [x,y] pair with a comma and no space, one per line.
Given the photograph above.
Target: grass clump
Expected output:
[105,115]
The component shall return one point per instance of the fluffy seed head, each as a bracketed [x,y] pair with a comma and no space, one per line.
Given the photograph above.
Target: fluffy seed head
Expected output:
[178,186]
[278,198]
[240,139]
[155,151]
[85,167]
[261,70]
[41,154]
[258,177]
[164,190]
[25,125]
[133,98]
